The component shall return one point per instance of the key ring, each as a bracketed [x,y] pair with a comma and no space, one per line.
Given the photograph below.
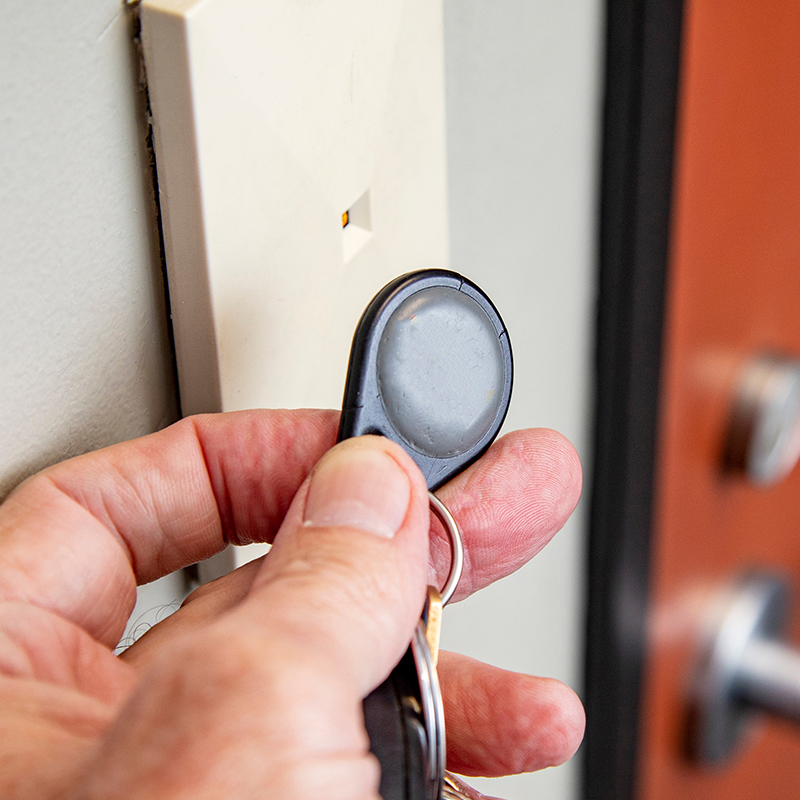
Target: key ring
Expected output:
[430,694]
[450,525]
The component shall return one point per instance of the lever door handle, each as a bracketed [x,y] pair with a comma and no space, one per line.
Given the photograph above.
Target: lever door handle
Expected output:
[746,669]
[769,678]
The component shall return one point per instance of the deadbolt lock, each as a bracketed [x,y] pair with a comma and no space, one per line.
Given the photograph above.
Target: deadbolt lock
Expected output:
[764,435]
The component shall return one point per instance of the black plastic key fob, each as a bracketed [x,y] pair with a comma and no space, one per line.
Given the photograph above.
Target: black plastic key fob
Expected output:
[431,369]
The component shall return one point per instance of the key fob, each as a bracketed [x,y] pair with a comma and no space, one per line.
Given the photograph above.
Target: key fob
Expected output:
[430,368]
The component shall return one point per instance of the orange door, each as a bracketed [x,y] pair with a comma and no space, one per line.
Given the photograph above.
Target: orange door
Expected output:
[733,292]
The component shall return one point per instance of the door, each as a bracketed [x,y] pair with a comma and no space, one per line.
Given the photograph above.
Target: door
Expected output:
[700,279]
[733,294]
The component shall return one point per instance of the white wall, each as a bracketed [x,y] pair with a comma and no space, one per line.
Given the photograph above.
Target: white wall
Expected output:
[523,102]
[84,355]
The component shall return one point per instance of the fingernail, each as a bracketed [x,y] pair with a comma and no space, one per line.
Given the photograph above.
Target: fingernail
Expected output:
[358,487]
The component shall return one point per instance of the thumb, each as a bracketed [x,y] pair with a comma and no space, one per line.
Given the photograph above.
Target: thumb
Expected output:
[345,580]
[267,702]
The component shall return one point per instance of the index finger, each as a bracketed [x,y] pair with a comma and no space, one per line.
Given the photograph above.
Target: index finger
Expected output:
[78,537]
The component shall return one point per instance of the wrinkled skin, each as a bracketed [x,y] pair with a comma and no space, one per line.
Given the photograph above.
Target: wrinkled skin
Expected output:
[253,688]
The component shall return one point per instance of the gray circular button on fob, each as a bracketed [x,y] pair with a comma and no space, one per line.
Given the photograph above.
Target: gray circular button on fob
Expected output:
[440,371]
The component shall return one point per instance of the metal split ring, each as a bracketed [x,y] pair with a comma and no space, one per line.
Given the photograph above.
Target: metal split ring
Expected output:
[456,546]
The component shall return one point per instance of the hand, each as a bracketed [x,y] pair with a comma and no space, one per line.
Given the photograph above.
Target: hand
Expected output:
[253,688]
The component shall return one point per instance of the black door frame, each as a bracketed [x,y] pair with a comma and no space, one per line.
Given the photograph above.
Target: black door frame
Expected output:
[643,46]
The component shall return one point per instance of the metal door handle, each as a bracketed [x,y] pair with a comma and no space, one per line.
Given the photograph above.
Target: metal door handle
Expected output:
[746,669]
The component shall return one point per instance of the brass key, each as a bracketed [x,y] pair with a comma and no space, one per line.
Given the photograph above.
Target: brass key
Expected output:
[432,620]
[455,789]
